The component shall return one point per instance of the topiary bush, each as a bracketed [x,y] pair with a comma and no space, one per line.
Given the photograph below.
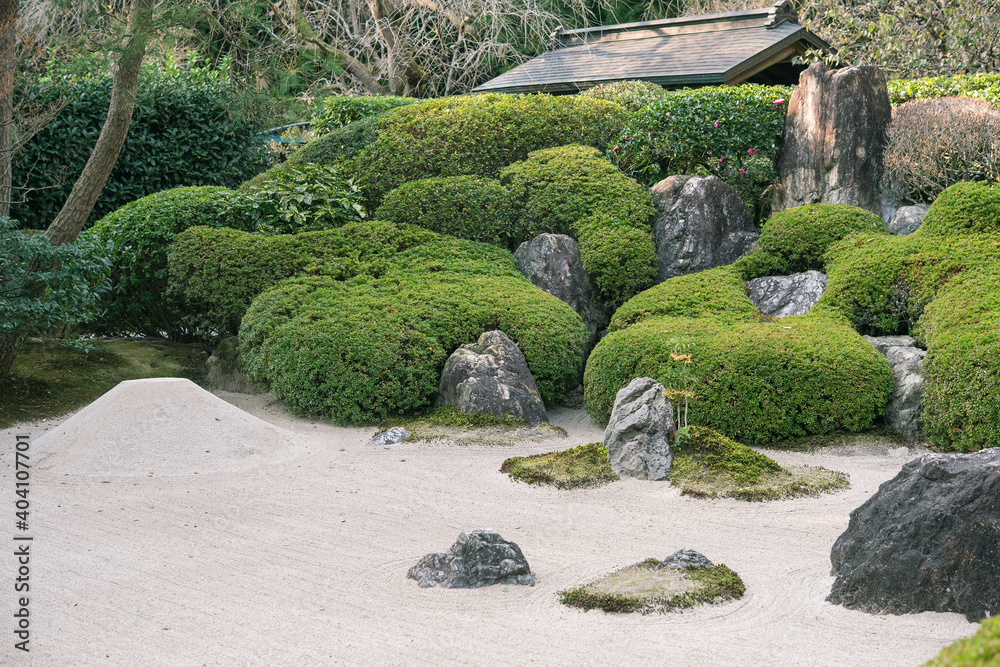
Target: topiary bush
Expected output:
[469,207]
[185,131]
[478,135]
[140,235]
[633,95]
[337,111]
[574,190]
[369,313]
[936,143]
[795,239]
[964,208]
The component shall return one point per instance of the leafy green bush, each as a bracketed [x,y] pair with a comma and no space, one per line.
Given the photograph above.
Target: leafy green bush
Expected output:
[964,208]
[980,650]
[478,135]
[795,239]
[336,111]
[633,95]
[44,286]
[727,131]
[469,207]
[140,234]
[574,190]
[299,198]
[984,85]
[936,143]
[369,313]
[183,132]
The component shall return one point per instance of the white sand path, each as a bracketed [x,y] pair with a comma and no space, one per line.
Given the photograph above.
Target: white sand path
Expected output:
[303,561]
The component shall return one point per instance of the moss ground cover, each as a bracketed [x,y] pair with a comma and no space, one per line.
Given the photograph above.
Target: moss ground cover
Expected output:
[980,650]
[649,587]
[583,466]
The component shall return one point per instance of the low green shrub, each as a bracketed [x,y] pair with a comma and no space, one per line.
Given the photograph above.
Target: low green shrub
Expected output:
[795,239]
[964,208]
[620,259]
[980,650]
[300,197]
[478,135]
[633,95]
[936,143]
[469,207]
[984,85]
[336,111]
[140,235]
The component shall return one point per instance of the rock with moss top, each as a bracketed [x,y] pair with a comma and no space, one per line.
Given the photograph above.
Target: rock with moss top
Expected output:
[784,296]
[640,431]
[703,223]
[491,377]
[478,558]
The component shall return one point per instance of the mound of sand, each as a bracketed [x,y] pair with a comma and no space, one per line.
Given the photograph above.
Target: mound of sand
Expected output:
[162,426]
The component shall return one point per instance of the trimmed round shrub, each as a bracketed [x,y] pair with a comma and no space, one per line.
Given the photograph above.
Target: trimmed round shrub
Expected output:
[964,208]
[936,143]
[336,111]
[795,239]
[184,132]
[478,135]
[469,207]
[141,234]
[755,382]
[574,190]
[633,95]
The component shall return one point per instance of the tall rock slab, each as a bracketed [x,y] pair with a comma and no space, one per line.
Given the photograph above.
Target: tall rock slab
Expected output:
[640,431]
[703,223]
[835,135]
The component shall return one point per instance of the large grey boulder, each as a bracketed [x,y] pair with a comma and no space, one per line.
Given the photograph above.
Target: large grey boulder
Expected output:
[478,558]
[928,540]
[640,431]
[835,136]
[783,296]
[552,262]
[907,219]
[491,377]
[902,413]
[703,223]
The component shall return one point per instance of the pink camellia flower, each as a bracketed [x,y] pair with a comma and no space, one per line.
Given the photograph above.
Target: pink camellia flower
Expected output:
[780,100]
[716,124]
[722,159]
[751,151]
[616,147]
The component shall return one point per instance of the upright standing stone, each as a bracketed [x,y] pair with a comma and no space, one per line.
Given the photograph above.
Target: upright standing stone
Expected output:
[835,134]
[639,433]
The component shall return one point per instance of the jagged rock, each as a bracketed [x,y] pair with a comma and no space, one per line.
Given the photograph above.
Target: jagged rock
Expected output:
[883,343]
[491,377]
[835,135]
[640,431]
[225,369]
[907,219]
[478,558]
[703,223]
[552,262]
[394,435]
[783,296]
[926,541]
[683,558]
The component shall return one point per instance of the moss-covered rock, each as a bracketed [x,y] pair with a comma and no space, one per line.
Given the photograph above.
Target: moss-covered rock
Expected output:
[583,466]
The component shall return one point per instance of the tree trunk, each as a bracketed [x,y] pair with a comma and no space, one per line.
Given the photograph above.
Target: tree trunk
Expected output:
[10,345]
[125,83]
[8,41]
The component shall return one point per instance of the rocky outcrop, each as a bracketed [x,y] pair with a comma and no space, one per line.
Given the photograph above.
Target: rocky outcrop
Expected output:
[783,296]
[552,262]
[926,541]
[491,377]
[640,431]
[835,136]
[683,558]
[703,223]
[478,558]
[225,369]
[907,219]
[902,413]
[393,436]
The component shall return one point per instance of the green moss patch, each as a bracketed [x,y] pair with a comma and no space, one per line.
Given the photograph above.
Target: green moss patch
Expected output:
[49,380]
[449,423]
[583,466]
[649,587]
[980,650]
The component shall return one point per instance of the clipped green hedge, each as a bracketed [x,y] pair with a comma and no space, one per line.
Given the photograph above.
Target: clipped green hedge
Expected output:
[795,239]
[633,95]
[469,207]
[369,312]
[336,111]
[984,85]
[964,208]
[478,135]
[141,234]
